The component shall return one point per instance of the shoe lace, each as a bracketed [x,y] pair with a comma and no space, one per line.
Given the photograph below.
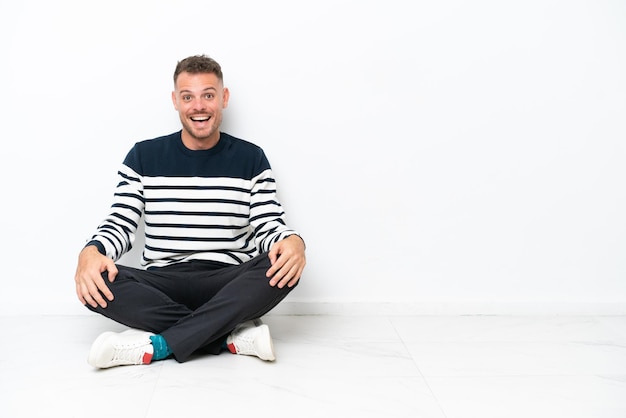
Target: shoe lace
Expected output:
[245,344]
[131,354]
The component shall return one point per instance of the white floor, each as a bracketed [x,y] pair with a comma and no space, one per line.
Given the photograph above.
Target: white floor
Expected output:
[332,366]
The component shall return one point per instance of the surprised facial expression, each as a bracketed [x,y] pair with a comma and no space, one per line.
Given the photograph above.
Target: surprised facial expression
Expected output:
[199,100]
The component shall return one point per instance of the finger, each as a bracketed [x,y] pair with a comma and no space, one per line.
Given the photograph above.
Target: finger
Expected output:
[93,291]
[82,291]
[296,278]
[278,276]
[80,295]
[90,301]
[101,290]
[275,269]
[273,255]
[275,279]
[97,299]
[275,261]
[288,277]
[295,273]
[99,287]
[104,290]
[112,271]
[88,298]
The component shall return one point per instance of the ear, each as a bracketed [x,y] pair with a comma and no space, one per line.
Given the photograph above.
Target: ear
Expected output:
[174,100]
[226,96]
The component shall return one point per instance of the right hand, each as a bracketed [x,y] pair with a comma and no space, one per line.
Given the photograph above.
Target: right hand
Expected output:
[90,286]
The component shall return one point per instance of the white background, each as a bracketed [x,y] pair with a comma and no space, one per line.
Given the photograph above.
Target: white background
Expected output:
[455,156]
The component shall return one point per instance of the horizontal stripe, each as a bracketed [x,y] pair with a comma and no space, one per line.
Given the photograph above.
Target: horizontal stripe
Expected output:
[196,205]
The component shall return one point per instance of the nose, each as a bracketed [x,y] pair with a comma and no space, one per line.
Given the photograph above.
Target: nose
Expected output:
[198,104]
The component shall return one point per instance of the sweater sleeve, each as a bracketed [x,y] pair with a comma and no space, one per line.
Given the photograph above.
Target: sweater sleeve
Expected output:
[267,217]
[116,233]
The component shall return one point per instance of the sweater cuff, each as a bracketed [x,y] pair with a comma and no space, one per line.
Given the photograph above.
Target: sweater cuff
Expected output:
[98,245]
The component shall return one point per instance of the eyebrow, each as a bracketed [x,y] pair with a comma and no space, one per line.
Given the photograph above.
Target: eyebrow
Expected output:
[205,90]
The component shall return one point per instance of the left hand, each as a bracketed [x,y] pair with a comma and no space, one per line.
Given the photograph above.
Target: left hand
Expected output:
[288,260]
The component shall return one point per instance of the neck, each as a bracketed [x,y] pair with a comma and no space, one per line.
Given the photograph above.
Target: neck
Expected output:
[198,144]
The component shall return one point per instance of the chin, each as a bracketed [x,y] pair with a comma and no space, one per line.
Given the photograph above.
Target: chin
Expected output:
[200,136]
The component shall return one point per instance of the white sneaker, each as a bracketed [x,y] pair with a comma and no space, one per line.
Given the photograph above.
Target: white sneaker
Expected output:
[112,349]
[252,338]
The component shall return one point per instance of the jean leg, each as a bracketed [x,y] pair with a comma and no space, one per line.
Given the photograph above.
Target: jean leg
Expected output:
[247,295]
[138,303]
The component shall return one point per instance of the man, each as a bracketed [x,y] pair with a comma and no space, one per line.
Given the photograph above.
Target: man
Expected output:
[218,254]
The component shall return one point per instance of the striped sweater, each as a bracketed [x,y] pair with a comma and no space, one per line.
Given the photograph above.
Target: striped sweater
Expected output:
[218,205]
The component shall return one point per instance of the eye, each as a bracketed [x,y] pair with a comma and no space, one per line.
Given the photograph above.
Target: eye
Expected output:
[208,96]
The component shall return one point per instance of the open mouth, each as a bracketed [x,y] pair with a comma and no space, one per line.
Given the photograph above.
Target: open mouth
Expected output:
[200,118]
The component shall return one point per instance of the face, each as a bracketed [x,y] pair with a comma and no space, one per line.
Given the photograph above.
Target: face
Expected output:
[199,100]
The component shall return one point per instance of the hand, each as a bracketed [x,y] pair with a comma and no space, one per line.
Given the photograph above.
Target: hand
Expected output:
[288,261]
[90,286]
